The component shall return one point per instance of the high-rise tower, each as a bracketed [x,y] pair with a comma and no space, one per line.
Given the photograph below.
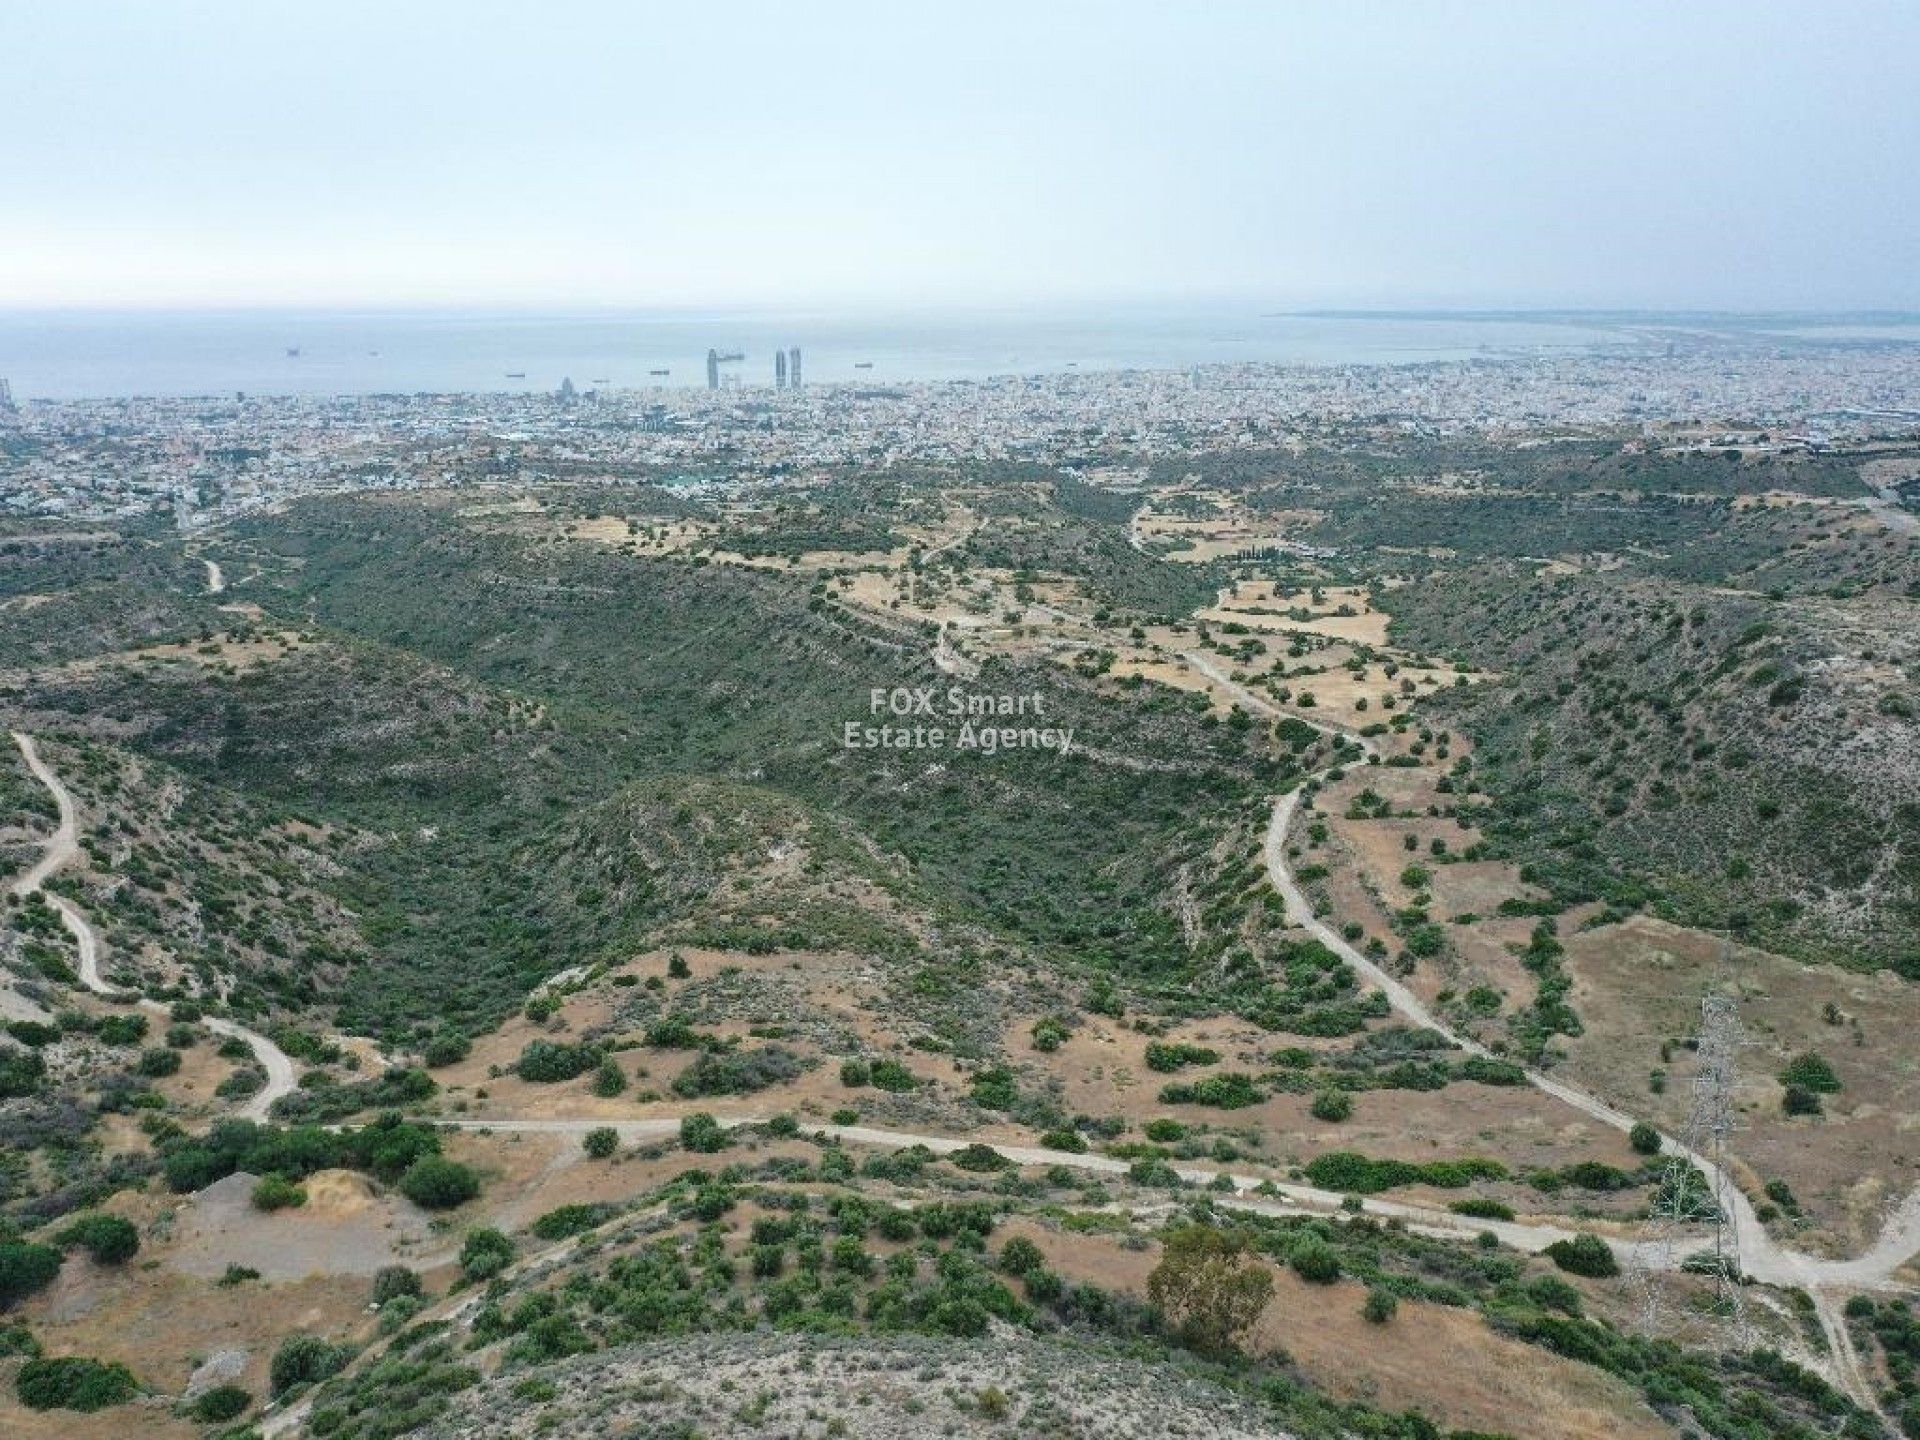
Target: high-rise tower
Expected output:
[793,367]
[6,397]
[779,369]
[713,369]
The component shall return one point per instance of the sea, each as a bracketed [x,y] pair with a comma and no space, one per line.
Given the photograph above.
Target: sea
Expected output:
[66,355]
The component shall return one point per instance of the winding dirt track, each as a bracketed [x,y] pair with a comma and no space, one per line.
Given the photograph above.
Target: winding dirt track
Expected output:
[62,847]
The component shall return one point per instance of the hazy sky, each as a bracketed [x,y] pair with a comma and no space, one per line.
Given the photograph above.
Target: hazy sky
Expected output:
[245,152]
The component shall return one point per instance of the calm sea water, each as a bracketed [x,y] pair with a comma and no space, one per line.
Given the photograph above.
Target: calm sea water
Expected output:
[77,355]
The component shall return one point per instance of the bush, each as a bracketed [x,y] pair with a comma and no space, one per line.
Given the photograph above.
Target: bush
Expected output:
[980,1158]
[1049,1034]
[892,1075]
[600,1142]
[568,1220]
[221,1404]
[1380,1306]
[1229,1090]
[1798,1100]
[277,1192]
[1332,1106]
[73,1382]
[547,1062]
[485,1253]
[1071,1142]
[303,1359]
[701,1133]
[1811,1071]
[1584,1255]
[1167,1058]
[109,1239]
[1644,1139]
[1020,1256]
[393,1282]
[855,1073]
[449,1047]
[609,1080]
[436,1183]
[1315,1261]
[738,1074]
[24,1270]
[1478,1207]
[158,1062]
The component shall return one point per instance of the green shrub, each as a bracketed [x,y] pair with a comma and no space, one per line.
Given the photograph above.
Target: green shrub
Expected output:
[394,1282]
[1020,1256]
[24,1270]
[568,1220]
[449,1047]
[892,1075]
[158,1062]
[1480,1208]
[436,1183]
[303,1359]
[485,1253]
[855,1073]
[609,1080]
[1644,1138]
[109,1239]
[1333,1106]
[1167,1058]
[547,1062]
[1358,1175]
[73,1382]
[1229,1090]
[600,1142]
[1380,1305]
[701,1133]
[980,1158]
[1810,1071]
[1584,1255]
[277,1192]
[1071,1142]
[1798,1100]
[221,1404]
[1315,1261]
[1049,1034]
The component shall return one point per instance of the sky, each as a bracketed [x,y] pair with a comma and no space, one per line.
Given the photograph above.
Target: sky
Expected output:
[1763,154]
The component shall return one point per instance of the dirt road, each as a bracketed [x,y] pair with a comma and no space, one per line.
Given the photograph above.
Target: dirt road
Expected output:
[62,847]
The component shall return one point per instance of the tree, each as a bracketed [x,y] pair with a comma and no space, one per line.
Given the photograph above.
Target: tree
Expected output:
[1210,1285]
[1644,1139]
[436,1183]
[600,1142]
[109,1239]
